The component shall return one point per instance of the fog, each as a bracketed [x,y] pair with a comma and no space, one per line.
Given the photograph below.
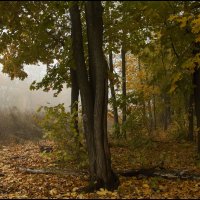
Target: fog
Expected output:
[16,93]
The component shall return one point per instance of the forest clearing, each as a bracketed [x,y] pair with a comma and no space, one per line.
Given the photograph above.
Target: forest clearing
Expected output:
[100,99]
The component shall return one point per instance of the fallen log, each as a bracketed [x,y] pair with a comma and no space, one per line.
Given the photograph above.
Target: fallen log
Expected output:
[163,173]
[139,173]
[50,171]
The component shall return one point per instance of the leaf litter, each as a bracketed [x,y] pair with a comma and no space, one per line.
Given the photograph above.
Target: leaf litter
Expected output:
[17,184]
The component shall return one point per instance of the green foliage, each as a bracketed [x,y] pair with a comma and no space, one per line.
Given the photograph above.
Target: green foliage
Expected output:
[140,141]
[58,126]
[178,129]
[134,122]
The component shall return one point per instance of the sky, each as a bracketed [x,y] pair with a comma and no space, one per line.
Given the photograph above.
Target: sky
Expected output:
[16,93]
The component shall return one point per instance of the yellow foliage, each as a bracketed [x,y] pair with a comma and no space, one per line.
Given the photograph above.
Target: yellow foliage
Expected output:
[196,25]
[182,21]
[172,17]
[53,192]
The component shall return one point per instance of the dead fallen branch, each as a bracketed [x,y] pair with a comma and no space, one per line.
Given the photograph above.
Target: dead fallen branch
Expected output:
[163,173]
[139,173]
[50,171]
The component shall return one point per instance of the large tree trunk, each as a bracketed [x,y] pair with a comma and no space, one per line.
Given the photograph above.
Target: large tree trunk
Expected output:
[94,21]
[113,95]
[123,55]
[196,83]
[84,86]
[93,92]
[196,80]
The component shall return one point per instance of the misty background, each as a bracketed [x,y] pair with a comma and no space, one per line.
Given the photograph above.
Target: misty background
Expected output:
[18,105]
[16,93]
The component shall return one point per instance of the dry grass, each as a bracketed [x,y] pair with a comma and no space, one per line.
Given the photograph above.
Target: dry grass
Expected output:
[17,126]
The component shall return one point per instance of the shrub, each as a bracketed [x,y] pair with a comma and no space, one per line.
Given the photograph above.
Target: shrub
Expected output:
[58,126]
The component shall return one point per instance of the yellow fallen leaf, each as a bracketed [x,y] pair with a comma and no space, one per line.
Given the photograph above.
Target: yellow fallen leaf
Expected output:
[53,191]
[73,194]
[66,195]
[74,189]
[102,192]
[80,196]
[145,185]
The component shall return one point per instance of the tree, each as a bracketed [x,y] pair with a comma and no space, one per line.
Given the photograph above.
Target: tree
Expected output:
[123,55]
[93,92]
[37,34]
[113,94]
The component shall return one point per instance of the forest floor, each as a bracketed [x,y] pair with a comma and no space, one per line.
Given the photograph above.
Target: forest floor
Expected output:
[15,183]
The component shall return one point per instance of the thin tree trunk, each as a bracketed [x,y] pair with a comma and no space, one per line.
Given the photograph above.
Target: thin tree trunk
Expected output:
[123,56]
[113,95]
[167,112]
[190,118]
[144,115]
[154,112]
[150,117]
[74,98]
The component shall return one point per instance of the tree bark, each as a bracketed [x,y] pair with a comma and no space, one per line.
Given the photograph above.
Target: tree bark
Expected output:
[113,95]
[123,56]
